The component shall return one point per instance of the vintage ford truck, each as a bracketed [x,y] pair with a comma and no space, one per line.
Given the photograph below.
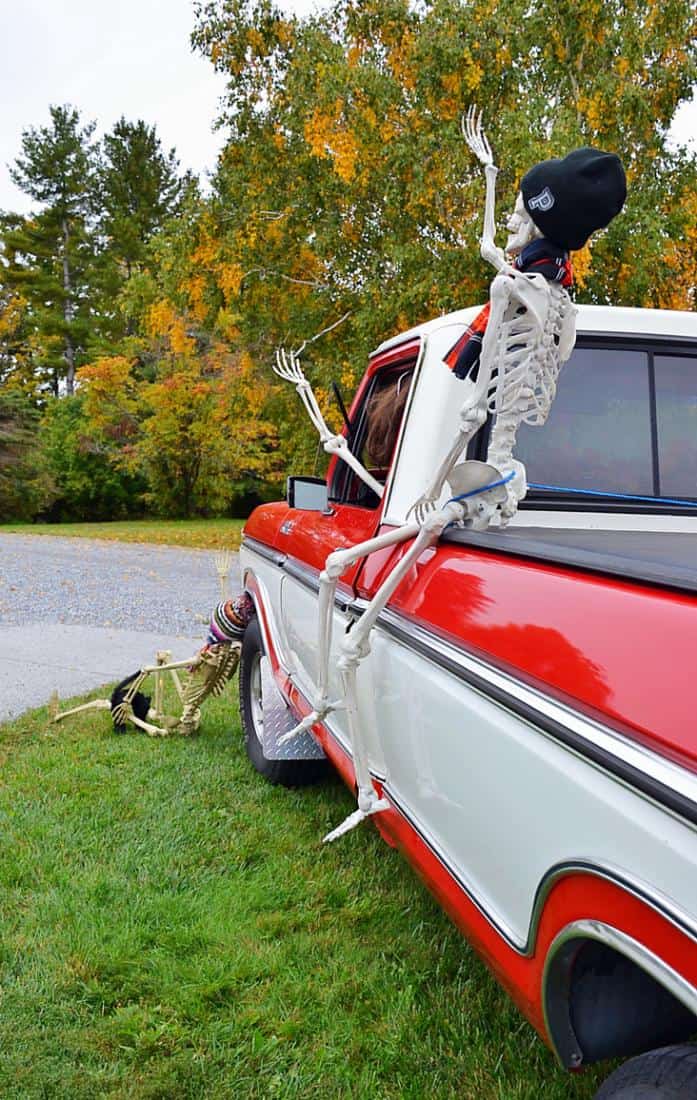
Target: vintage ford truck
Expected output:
[527,696]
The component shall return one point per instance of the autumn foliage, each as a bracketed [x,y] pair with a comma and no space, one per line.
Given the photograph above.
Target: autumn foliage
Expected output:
[345,188]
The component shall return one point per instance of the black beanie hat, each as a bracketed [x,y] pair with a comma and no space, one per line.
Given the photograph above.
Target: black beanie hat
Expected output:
[569,199]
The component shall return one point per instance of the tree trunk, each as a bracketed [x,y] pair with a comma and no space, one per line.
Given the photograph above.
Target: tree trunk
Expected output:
[69,353]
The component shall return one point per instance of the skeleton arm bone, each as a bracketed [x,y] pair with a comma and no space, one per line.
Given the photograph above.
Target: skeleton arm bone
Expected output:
[288,368]
[478,143]
[336,564]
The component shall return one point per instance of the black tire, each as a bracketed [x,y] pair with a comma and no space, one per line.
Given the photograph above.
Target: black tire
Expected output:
[669,1073]
[286,773]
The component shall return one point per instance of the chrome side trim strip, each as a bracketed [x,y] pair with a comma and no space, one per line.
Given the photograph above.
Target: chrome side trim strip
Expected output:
[305,574]
[555,1002]
[633,764]
[263,550]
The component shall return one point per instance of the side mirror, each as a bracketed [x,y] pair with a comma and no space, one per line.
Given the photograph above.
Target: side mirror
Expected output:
[309,493]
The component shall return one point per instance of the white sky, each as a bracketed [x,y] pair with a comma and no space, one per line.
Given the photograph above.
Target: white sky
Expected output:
[130,57]
[108,58]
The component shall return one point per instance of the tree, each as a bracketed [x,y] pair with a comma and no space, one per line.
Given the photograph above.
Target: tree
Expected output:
[25,486]
[87,486]
[138,188]
[346,184]
[48,255]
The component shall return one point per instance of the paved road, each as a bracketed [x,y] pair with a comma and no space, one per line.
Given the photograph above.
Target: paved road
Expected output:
[77,613]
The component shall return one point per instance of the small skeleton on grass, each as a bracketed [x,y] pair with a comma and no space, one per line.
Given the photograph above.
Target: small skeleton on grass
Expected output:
[196,679]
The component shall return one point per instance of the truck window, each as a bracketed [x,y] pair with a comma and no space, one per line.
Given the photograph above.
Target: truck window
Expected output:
[676,424]
[375,429]
[599,431]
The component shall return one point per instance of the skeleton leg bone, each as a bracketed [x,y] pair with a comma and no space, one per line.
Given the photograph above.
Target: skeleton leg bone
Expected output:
[356,646]
[336,564]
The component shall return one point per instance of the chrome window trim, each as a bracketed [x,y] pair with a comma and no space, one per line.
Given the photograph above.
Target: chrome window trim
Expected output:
[554,1002]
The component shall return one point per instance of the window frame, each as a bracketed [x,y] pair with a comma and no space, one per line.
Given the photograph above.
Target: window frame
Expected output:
[342,477]
[556,499]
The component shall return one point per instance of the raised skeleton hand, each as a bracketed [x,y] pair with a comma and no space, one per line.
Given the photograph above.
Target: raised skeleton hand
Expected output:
[471,126]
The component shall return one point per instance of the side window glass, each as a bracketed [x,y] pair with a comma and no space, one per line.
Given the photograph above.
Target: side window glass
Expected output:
[598,434]
[676,424]
[374,436]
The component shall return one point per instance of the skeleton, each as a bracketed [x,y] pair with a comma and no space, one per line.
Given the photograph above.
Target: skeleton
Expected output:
[529,335]
[288,368]
[207,674]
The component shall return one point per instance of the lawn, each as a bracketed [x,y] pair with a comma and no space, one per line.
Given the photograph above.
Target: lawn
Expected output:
[172,927]
[207,534]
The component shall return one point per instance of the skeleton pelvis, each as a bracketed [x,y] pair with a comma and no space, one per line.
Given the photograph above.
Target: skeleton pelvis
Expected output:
[469,476]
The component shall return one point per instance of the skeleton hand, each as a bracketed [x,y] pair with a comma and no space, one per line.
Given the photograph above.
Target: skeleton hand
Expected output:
[475,137]
[423,508]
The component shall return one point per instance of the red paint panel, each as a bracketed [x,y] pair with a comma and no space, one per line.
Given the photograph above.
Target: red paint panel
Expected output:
[265,521]
[620,651]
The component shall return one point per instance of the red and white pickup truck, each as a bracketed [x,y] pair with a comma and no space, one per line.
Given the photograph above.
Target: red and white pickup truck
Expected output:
[528,691]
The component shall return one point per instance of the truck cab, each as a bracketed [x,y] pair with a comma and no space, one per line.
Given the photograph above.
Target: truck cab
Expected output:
[527,691]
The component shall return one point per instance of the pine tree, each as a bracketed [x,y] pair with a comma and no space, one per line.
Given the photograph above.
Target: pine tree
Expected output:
[138,189]
[48,255]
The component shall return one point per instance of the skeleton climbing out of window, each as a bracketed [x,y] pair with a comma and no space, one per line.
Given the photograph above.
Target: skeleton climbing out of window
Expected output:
[509,360]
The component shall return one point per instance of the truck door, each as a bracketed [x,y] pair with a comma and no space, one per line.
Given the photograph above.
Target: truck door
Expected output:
[307,538]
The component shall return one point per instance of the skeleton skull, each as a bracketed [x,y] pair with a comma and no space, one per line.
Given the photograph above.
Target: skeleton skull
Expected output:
[521,228]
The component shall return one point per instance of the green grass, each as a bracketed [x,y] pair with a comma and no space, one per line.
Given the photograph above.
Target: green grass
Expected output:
[204,533]
[172,927]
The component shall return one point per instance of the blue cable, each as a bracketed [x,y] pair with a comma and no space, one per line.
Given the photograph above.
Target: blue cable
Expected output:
[610,496]
[484,488]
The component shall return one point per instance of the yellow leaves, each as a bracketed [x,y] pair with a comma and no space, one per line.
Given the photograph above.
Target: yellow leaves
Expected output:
[196,291]
[583,265]
[329,137]
[162,320]
[401,61]
[110,398]
[473,76]
[159,318]
[230,280]
[594,108]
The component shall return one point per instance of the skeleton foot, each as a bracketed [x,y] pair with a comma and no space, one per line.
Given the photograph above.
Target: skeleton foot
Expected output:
[356,818]
[309,720]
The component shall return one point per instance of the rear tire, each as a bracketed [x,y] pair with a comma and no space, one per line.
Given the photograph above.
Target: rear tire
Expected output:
[286,773]
[669,1073]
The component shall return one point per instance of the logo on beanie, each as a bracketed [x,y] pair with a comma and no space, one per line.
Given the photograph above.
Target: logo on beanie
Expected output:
[544,201]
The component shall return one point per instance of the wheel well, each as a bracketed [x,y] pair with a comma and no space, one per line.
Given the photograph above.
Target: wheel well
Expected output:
[601,1003]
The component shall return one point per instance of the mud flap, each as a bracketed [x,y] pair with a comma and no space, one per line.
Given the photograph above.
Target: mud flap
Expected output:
[279,719]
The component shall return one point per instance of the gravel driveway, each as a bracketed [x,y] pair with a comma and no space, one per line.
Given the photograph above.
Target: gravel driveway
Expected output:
[77,613]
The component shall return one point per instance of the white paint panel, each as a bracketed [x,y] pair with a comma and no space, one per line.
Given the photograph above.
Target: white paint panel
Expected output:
[293,610]
[601,320]
[430,427]
[503,803]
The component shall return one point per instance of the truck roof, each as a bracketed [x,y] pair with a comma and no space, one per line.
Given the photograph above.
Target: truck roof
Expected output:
[615,320]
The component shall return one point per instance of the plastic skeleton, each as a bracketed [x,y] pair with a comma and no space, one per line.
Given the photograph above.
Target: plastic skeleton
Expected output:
[530,333]
[208,674]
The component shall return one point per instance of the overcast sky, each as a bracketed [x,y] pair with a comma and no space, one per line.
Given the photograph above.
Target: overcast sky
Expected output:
[130,57]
